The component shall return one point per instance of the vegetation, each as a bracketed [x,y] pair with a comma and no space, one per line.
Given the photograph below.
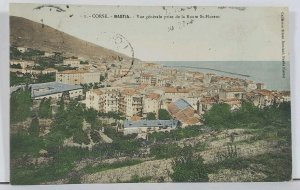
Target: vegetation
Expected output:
[103,167]
[164,114]
[248,116]
[161,151]
[177,134]
[30,79]
[20,105]
[151,116]
[34,128]
[138,179]
[18,66]
[189,168]
[268,124]
[18,80]
[14,53]
[45,109]
[84,62]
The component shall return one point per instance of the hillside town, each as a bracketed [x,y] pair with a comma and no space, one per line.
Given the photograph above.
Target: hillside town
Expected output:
[144,89]
[136,99]
[82,120]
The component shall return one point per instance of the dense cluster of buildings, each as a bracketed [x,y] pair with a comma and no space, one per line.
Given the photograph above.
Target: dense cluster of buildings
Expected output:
[147,88]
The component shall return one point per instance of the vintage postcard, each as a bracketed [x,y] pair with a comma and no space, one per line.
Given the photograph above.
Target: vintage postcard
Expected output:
[128,94]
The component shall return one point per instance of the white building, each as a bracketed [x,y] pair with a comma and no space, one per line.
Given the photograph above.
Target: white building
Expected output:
[103,100]
[55,90]
[151,103]
[77,77]
[23,63]
[72,62]
[149,126]
[131,102]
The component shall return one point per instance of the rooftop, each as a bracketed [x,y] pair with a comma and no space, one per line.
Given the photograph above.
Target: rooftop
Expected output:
[151,123]
[182,104]
[43,89]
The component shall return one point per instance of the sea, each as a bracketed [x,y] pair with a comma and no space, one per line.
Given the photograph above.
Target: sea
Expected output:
[272,73]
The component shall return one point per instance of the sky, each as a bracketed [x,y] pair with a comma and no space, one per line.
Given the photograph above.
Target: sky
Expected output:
[237,34]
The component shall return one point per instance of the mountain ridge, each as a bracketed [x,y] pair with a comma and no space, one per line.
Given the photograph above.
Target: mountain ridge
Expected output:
[28,33]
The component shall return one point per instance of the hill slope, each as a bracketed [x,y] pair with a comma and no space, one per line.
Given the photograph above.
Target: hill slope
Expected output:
[27,33]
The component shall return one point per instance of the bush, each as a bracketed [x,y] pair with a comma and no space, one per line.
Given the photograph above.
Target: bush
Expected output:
[164,115]
[189,168]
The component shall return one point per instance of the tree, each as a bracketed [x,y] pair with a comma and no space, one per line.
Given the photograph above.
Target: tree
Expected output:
[151,116]
[102,78]
[34,128]
[20,105]
[189,168]
[164,115]
[218,116]
[17,66]
[45,109]
[90,115]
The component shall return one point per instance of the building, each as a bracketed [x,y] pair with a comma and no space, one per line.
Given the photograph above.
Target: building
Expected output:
[131,102]
[151,103]
[77,77]
[231,93]
[55,90]
[72,62]
[205,104]
[103,100]
[149,126]
[184,112]
[234,103]
[146,78]
[49,54]
[173,94]
[260,86]
[261,98]
[22,49]
[23,63]
[49,70]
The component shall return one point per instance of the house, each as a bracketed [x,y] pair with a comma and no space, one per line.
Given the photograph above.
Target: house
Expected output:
[103,100]
[234,103]
[184,112]
[151,103]
[72,62]
[55,90]
[261,98]
[149,126]
[23,63]
[49,70]
[22,49]
[131,102]
[206,104]
[173,94]
[230,93]
[77,77]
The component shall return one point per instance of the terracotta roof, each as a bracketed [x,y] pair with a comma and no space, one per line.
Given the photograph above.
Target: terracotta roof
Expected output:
[264,92]
[233,90]
[184,112]
[98,91]
[208,100]
[232,101]
[136,118]
[153,96]
[176,90]
[129,91]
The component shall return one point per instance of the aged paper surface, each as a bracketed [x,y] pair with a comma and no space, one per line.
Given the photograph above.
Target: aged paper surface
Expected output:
[111,94]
